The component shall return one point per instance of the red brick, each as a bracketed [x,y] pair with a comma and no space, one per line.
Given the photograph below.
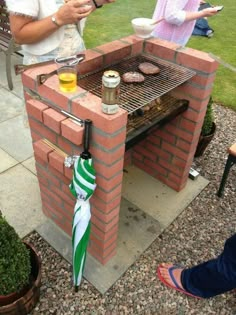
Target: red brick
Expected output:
[103,246]
[35,137]
[65,145]
[107,196]
[107,171]
[203,80]
[145,153]
[114,51]
[137,156]
[143,167]
[109,183]
[72,131]
[159,152]
[156,168]
[93,61]
[187,125]
[197,60]
[105,207]
[53,119]
[154,139]
[103,252]
[58,175]
[179,133]
[102,260]
[136,44]
[43,131]
[88,106]
[107,158]
[35,109]
[109,142]
[68,172]
[51,195]
[42,150]
[193,115]
[102,230]
[194,91]
[171,168]
[106,217]
[27,81]
[161,48]
[57,161]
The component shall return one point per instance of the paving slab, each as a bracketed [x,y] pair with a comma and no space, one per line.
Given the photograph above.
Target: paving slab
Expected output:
[20,200]
[6,161]
[15,138]
[30,165]
[15,59]
[10,105]
[155,198]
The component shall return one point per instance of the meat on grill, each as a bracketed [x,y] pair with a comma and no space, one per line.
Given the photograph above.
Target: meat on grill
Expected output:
[148,68]
[133,77]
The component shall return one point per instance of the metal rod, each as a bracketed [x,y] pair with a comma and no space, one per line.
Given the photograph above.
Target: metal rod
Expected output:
[73,117]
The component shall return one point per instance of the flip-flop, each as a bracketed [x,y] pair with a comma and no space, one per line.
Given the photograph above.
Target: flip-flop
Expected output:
[175,286]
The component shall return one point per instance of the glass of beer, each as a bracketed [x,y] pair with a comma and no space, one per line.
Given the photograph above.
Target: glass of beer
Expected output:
[67,73]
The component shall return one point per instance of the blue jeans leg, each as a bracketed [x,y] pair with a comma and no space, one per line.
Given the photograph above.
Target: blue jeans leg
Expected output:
[215,276]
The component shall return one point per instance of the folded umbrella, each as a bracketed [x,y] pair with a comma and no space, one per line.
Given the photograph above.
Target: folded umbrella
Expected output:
[82,187]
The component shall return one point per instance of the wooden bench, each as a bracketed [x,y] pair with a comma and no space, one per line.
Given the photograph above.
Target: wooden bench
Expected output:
[7,44]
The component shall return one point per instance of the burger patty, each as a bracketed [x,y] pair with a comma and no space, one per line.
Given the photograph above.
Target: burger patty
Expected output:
[133,77]
[148,68]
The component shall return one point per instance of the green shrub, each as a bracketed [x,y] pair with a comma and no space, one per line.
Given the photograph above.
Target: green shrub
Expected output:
[15,265]
[208,119]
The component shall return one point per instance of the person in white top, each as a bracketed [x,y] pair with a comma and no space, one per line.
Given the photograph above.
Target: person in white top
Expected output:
[49,29]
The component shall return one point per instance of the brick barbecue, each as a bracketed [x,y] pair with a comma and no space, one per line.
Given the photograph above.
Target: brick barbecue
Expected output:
[165,153]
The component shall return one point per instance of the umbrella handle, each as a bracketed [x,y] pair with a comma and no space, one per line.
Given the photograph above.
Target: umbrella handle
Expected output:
[87,127]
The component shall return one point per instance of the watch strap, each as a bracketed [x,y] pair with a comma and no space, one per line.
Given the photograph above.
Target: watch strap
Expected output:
[97,6]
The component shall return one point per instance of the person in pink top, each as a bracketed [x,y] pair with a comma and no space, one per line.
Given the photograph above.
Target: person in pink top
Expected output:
[179,18]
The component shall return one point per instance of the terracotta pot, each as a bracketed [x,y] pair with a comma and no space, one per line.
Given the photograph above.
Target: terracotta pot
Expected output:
[204,141]
[23,302]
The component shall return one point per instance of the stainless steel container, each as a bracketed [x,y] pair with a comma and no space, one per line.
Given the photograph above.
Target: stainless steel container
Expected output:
[110,92]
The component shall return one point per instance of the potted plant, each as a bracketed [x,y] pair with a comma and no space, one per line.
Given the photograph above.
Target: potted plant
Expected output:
[20,272]
[208,130]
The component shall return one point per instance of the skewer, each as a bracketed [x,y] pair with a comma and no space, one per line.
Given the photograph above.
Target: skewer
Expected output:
[52,146]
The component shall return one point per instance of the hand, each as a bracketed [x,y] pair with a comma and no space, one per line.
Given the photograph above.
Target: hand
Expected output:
[73,11]
[209,12]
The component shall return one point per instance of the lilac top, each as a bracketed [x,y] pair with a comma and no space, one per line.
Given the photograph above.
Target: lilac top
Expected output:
[174,28]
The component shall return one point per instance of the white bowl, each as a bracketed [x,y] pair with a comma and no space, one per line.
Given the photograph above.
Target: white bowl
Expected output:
[142,27]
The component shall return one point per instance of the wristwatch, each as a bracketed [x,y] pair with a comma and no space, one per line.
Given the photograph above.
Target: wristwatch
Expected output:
[97,6]
[54,20]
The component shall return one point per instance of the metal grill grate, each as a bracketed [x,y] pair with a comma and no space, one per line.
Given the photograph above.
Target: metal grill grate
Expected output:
[136,95]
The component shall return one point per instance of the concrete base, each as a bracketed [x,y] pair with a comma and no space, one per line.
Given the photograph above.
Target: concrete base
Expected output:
[148,206]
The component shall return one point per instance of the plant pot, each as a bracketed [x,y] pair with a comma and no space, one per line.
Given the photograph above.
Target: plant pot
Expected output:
[204,141]
[23,302]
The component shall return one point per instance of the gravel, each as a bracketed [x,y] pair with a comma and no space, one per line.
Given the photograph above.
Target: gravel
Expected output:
[198,234]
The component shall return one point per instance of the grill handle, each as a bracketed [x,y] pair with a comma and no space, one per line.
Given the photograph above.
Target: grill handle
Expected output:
[87,130]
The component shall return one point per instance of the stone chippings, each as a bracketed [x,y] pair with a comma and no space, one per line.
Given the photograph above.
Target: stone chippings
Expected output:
[198,234]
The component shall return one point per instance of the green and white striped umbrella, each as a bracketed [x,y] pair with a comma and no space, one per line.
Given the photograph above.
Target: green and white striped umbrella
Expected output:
[82,187]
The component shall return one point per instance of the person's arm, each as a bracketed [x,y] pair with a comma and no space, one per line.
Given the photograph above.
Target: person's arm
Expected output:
[200,14]
[175,13]
[27,30]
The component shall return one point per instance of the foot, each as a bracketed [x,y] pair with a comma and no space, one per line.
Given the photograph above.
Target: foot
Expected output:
[170,275]
[176,273]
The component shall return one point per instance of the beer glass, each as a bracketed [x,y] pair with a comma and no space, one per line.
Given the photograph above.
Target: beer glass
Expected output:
[67,73]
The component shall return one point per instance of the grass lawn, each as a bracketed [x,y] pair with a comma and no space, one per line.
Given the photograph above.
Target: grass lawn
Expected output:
[113,22]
